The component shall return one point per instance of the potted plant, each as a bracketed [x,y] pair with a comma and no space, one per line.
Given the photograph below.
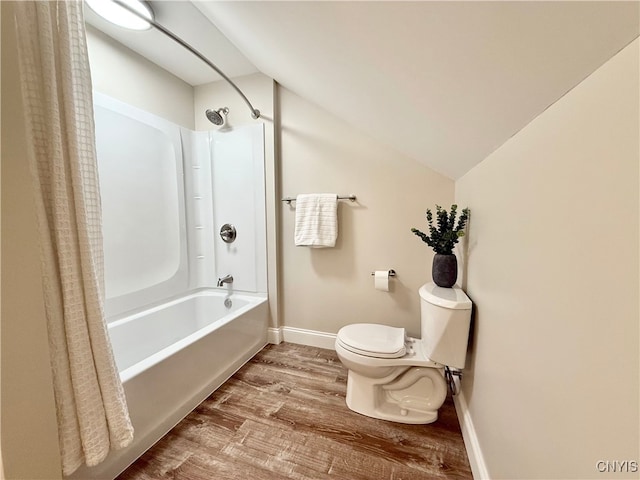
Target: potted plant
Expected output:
[442,239]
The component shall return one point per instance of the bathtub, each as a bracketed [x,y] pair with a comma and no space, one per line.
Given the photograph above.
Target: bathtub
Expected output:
[173,356]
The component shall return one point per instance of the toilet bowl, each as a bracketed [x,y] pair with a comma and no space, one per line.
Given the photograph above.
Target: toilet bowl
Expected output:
[399,378]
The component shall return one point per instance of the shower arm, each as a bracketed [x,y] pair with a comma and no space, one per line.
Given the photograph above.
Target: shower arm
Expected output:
[255,113]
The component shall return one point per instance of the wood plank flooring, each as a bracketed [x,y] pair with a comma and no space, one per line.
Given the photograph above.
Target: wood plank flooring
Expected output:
[283,416]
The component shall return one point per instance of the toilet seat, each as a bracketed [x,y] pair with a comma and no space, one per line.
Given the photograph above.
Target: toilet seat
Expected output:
[373,340]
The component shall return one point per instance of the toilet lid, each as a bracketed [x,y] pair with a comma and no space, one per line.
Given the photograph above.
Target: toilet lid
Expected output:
[373,340]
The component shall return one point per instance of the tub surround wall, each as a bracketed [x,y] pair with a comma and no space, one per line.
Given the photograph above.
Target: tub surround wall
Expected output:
[225,185]
[553,272]
[325,289]
[260,91]
[237,183]
[165,188]
[141,167]
[125,75]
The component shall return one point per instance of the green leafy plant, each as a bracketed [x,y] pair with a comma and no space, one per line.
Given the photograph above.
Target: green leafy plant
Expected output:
[443,237]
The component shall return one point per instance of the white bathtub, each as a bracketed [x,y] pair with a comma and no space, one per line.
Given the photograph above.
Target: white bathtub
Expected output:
[173,356]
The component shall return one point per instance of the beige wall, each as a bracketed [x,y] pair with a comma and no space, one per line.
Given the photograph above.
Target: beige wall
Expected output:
[553,272]
[123,74]
[260,90]
[29,432]
[324,289]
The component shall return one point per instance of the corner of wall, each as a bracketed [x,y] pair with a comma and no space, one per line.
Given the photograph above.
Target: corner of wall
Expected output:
[29,428]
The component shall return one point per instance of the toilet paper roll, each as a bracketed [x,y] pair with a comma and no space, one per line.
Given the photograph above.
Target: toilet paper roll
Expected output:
[381,280]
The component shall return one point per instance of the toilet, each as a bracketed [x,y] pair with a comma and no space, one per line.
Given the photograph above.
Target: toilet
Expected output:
[399,378]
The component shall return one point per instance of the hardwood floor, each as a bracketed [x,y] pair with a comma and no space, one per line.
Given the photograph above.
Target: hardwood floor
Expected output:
[283,416]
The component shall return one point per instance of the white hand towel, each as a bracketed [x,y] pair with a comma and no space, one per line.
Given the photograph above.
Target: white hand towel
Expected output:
[316,220]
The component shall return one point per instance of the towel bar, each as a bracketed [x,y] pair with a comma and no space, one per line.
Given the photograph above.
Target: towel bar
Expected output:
[351,197]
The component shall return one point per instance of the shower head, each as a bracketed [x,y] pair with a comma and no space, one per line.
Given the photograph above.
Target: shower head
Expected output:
[215,116]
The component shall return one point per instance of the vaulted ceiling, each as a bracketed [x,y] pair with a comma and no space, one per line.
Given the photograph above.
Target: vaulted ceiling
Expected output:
[445,83]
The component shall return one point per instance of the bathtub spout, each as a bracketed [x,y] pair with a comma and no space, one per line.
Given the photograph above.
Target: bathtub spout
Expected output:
[225,279]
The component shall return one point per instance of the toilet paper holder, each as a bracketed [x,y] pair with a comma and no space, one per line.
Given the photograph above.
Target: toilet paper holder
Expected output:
[392,273]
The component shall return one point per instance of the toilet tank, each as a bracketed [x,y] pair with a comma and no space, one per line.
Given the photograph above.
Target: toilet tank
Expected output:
[445,321]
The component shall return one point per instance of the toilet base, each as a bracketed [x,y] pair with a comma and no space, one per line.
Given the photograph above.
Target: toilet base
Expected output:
[408,395]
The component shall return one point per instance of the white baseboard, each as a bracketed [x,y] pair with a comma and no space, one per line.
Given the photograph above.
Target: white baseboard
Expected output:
[274,335]
[476,460]
[301,336]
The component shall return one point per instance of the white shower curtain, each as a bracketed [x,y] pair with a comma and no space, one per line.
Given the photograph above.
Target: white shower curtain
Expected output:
[56,88]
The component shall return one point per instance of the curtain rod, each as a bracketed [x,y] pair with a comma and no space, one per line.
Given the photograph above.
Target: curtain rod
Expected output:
[255,113]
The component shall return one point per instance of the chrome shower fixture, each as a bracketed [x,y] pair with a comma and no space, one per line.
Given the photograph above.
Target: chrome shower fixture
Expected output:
[216,116]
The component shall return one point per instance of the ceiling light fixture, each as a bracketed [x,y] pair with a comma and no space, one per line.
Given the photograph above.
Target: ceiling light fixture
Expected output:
[120,16]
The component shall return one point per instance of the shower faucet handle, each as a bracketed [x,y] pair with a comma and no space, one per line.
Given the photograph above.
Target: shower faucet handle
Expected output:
[225,279]
[228,233]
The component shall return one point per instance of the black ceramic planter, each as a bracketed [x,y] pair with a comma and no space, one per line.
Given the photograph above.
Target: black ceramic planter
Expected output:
[445,270]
